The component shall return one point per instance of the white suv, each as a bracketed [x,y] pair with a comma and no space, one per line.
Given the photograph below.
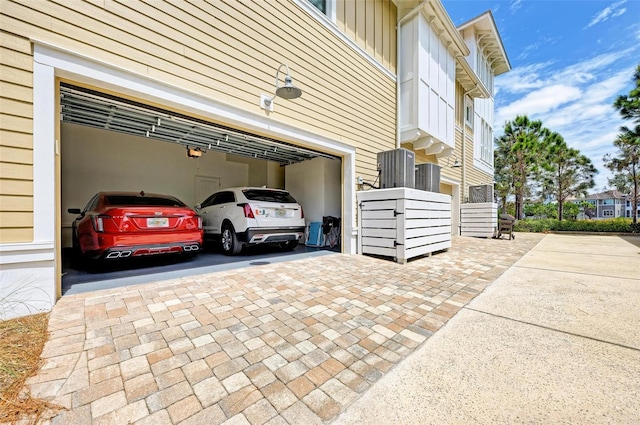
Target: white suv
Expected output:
[252,215]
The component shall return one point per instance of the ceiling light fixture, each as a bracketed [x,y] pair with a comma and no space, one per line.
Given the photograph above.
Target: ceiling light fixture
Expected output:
[193,152]
[287,91]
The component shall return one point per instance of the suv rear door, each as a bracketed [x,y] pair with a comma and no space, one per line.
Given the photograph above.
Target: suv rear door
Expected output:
[274,208]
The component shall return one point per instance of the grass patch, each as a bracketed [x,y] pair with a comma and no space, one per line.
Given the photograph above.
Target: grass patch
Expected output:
[21,344]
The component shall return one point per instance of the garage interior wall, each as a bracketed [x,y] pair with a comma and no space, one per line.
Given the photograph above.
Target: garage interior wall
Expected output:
[95,160]
[316,185]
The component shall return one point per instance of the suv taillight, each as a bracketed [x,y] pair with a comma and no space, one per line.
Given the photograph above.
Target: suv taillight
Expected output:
[248,213]
[301,212]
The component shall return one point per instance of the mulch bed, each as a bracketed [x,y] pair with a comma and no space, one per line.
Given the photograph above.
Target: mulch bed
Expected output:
[21,343]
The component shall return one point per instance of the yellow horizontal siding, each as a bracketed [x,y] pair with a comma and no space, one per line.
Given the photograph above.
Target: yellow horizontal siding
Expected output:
[339,117]
[18,140]
[10,154]
[20,77]
[17,92]
[14,42]
[22,25]
[11,235]
[15,59]
[15,107]
[16,219]
[16,203]
[16,187]
[15,171]
[15,123]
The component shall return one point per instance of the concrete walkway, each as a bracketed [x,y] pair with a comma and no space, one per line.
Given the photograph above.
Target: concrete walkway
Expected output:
[554,340]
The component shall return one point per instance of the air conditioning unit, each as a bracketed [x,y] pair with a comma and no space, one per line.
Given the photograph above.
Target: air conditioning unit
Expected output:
[397,168]
[428,177]
[481,193]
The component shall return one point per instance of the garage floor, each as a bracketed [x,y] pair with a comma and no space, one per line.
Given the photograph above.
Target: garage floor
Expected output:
[78,278]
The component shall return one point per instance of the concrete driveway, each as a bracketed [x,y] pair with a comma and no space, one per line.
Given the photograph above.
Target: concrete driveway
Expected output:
[555,339]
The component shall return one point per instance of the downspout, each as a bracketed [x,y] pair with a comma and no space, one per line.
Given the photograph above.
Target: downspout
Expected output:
[463,160]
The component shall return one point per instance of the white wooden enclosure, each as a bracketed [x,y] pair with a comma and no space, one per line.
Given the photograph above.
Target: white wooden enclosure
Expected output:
[479,219]
[403,223]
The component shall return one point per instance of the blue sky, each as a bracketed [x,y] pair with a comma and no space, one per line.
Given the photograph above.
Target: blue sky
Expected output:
[569,62]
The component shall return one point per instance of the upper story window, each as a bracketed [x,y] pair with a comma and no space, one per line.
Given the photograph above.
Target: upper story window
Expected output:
[321,5]
[484,71]
[468,112]
[486,143]
[327,7]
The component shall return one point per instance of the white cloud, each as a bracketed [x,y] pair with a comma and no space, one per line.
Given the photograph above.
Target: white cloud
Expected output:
[530,48]
[539,101]
[575,101]
[514,6]
[608,12]
[522,79]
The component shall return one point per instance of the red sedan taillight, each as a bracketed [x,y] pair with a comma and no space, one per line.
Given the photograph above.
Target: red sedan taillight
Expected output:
[98,222]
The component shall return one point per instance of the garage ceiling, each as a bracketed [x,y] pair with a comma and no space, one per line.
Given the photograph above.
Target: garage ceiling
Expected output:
[94,109]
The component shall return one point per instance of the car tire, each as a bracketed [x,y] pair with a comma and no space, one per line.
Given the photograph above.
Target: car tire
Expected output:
[288,245]
[229,240]
[76,252]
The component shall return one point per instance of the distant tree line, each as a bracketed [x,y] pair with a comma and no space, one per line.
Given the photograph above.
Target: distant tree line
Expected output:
[533,162]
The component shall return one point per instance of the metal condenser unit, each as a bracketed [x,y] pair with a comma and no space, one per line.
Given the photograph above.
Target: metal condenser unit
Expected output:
[428,177]
[397,168]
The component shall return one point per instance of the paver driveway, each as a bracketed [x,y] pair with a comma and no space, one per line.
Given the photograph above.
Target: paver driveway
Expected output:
[286,343]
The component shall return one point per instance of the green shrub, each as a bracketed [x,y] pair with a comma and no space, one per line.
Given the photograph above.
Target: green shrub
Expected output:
[616,225]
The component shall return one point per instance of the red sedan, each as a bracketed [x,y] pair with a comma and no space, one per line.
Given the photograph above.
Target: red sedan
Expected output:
[127,224]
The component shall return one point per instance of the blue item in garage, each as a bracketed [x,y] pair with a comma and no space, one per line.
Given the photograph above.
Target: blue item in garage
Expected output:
[314,236]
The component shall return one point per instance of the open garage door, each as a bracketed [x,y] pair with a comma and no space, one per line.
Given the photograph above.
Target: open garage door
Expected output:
[112,143]
[98,110]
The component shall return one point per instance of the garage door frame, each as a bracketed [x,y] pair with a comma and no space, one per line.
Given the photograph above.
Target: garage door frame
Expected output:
[52,63]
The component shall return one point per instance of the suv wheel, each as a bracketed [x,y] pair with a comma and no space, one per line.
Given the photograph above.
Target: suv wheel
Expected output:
[230,243]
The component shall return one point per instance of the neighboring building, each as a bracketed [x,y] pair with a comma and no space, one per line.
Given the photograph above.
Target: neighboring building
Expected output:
[107,96]
[607,204]
[629,207]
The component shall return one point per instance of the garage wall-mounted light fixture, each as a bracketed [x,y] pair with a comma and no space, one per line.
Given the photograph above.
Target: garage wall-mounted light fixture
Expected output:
[287,91]
[194,152]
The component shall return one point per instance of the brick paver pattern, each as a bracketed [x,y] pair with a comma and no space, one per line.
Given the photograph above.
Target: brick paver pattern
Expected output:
[286,343]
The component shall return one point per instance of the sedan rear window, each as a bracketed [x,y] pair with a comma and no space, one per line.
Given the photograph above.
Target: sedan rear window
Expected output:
[267,195]
[147,201]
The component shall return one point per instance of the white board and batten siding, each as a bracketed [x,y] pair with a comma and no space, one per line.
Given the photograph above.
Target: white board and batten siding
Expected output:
[479,219]
[403,223]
